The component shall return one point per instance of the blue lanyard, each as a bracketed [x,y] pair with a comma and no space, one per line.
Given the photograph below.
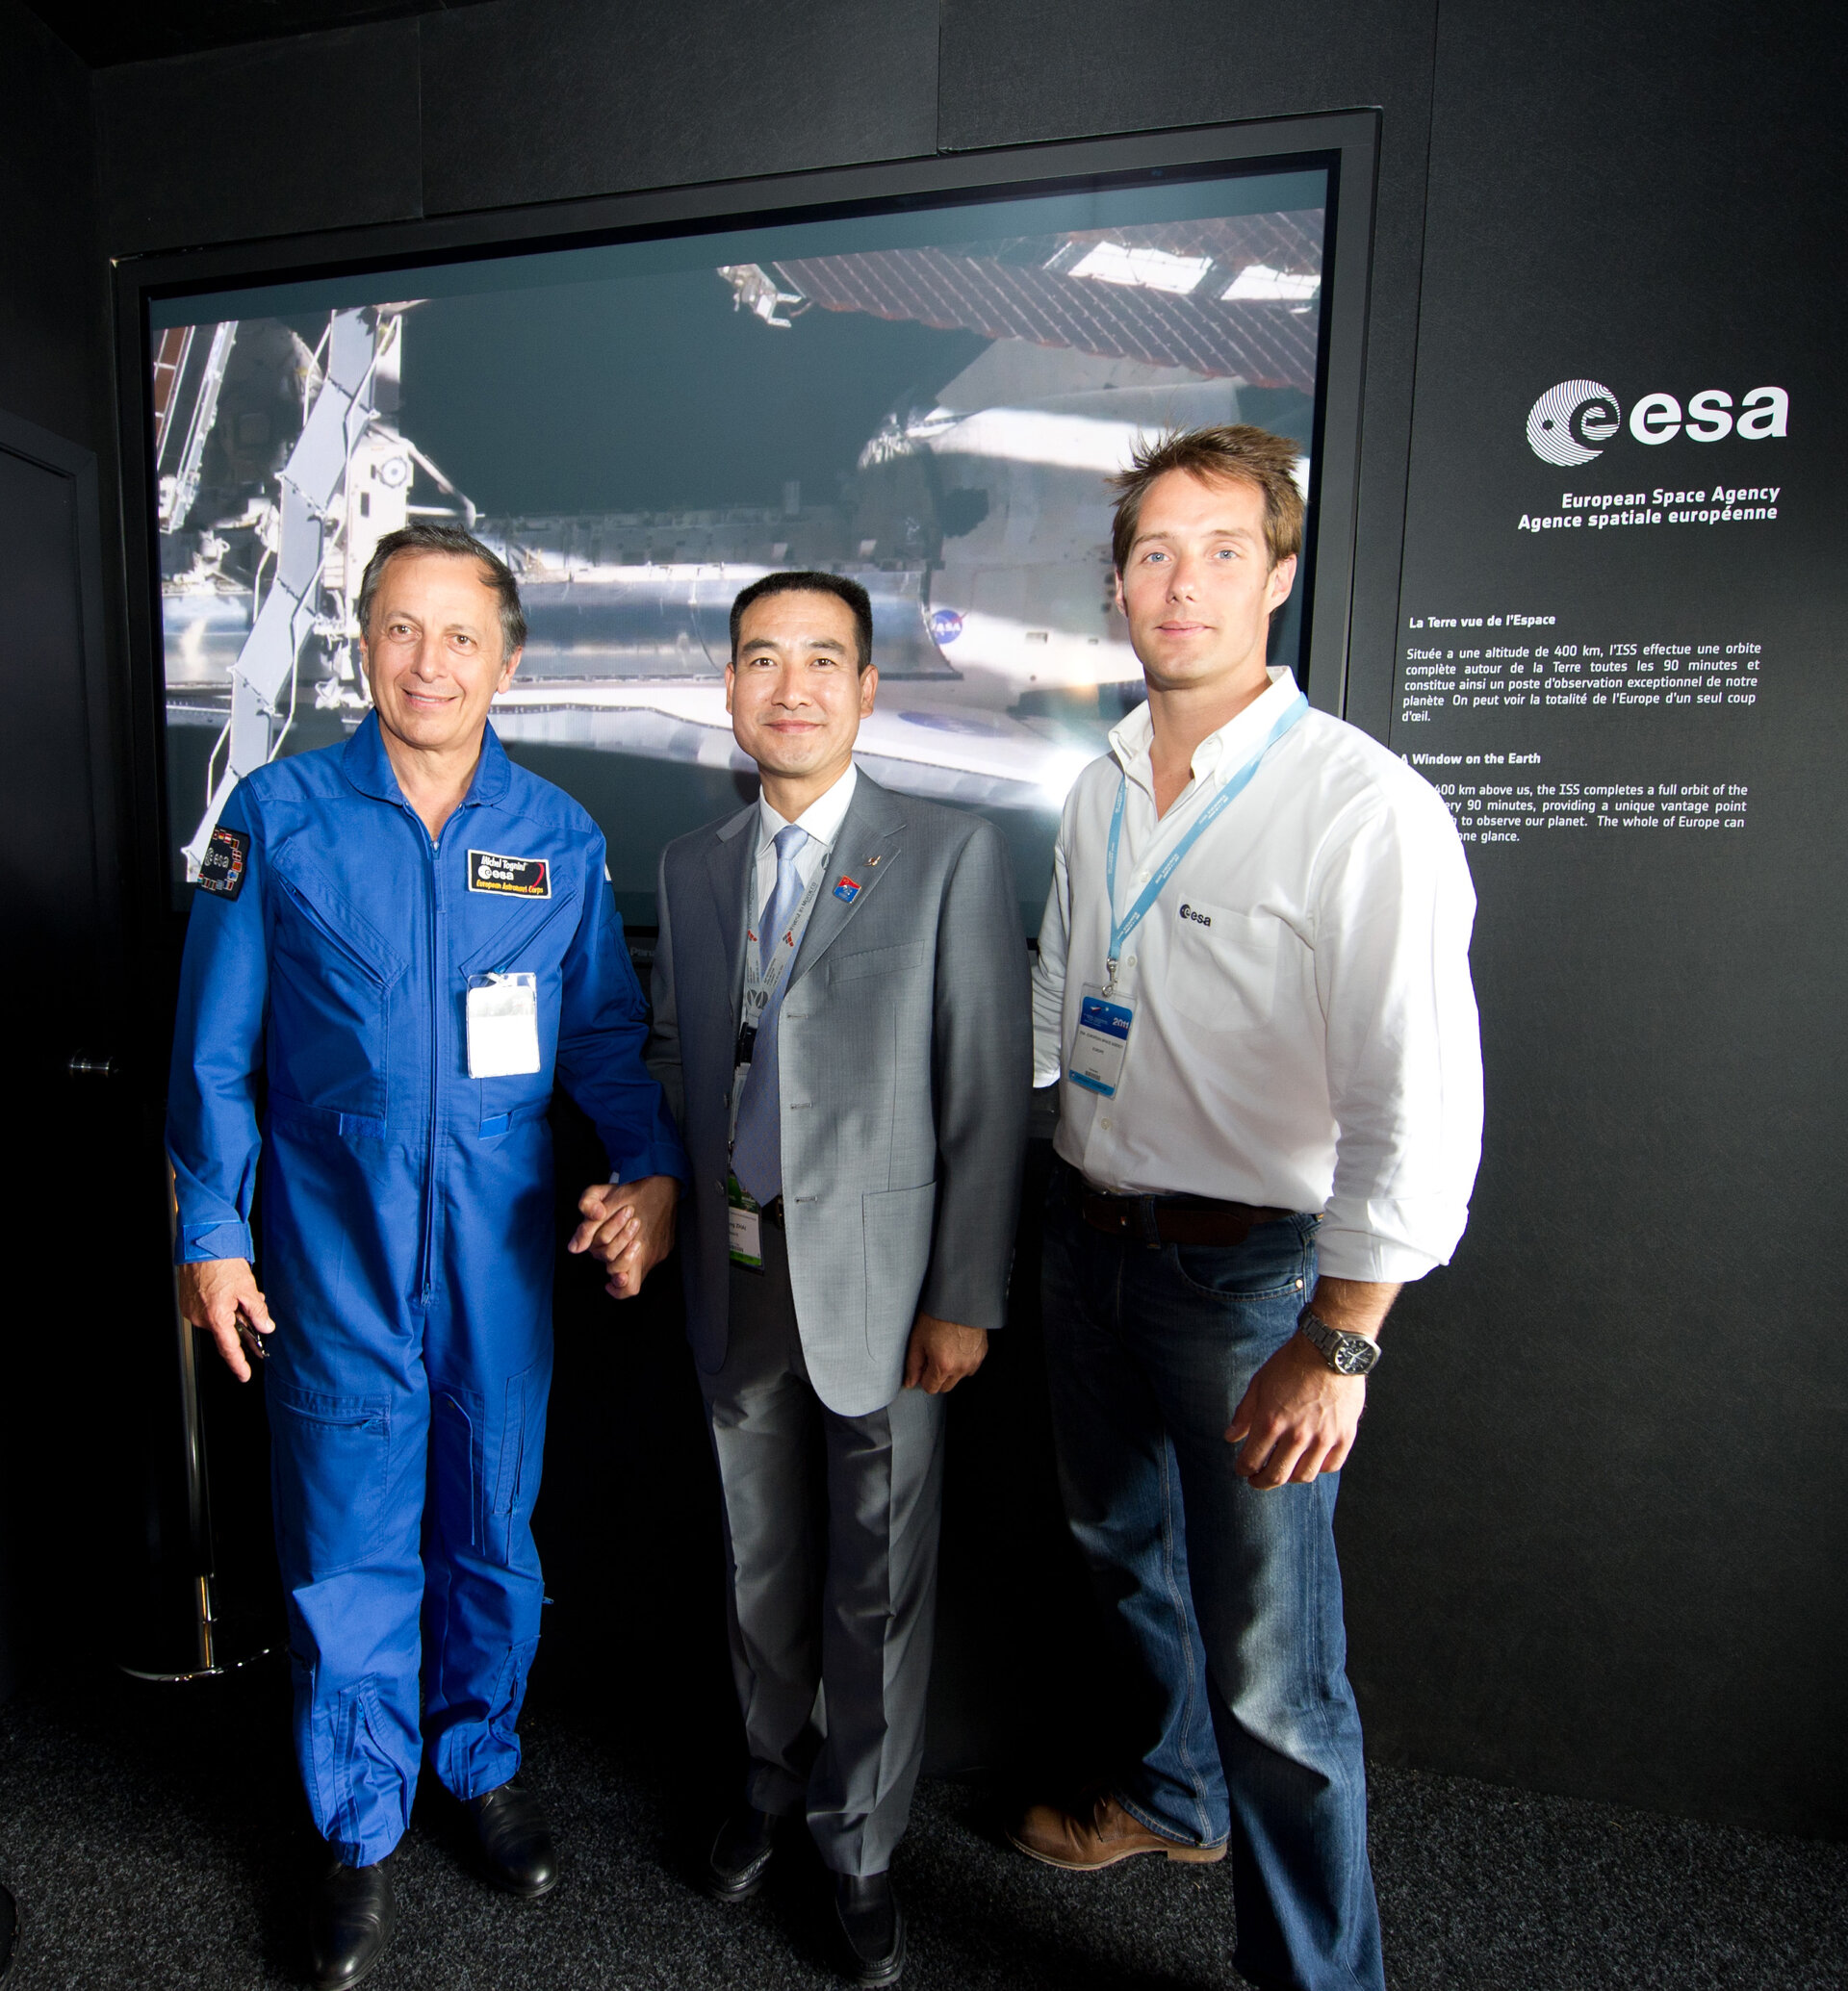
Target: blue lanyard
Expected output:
[1121,928]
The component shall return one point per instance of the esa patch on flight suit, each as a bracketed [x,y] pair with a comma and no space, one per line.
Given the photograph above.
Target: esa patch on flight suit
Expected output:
[222,870]
[521,878]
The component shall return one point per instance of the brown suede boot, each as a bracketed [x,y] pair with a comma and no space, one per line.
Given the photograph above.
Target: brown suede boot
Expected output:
[1100,1837]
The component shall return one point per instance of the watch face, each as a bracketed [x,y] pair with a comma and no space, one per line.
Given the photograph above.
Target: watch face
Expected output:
[1354,1356]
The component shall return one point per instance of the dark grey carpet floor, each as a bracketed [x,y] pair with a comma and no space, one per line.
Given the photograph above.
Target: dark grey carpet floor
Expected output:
[154,1838]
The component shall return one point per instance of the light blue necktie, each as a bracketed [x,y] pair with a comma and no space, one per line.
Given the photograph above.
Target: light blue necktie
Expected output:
[756,1152]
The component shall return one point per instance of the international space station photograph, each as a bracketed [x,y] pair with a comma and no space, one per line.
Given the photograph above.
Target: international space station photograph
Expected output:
[930,401]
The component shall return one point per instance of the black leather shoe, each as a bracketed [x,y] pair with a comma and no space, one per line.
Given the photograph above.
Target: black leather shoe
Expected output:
[874,1925]
[510,1836]
[353,1915]
[740,1855]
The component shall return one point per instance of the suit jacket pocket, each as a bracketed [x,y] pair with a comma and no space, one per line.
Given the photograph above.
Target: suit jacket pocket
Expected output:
[897,1227]
[873,960]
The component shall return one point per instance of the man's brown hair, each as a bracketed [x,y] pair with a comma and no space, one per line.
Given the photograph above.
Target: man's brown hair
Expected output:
[1234,453]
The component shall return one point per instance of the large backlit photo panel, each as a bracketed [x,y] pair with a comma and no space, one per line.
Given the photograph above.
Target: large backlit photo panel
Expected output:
[928,400]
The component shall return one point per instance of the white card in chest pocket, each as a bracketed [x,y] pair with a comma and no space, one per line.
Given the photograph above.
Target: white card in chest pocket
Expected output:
[503,1026]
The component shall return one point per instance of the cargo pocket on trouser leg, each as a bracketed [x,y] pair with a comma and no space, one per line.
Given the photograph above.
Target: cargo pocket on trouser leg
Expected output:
[330,1467]
[523,1438]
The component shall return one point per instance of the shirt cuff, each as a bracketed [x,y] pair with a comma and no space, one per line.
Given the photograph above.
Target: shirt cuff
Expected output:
[658,1160]
[1379,1261]
[197,1242]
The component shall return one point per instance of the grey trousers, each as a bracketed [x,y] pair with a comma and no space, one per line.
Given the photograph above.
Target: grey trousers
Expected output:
[831,1541]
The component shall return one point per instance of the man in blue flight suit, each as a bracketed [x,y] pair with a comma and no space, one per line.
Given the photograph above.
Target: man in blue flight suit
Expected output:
[407,935]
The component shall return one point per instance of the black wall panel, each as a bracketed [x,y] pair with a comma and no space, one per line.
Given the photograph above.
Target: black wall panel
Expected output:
[52,285]
[1593,1532]
[528,100]
[59,908]
[320,132]
[1594,1535]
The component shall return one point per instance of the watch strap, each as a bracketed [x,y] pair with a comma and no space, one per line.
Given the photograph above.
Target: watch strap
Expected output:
[1347,1354]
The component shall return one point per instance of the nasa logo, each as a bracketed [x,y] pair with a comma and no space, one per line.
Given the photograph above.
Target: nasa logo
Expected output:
[946,626]
[1571,424]
[1200,919]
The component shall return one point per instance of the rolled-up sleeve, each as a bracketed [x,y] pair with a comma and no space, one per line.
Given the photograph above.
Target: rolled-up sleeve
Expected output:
[1394,910]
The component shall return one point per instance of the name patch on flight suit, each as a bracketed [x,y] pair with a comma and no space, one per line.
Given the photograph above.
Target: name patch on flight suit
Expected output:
[521,877]
[221,868]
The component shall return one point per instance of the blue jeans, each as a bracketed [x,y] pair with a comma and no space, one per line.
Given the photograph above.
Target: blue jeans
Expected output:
[1228,1600]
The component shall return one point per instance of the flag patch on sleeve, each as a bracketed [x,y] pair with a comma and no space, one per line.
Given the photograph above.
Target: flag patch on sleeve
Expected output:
[222,867]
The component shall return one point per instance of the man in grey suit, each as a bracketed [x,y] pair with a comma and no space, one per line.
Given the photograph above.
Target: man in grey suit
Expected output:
[840,1023]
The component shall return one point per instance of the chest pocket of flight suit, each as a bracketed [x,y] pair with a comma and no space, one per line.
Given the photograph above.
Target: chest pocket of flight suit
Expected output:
[331,980]
[533,945]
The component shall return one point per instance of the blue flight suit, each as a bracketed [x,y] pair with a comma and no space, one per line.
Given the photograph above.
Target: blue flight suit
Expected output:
[408,1228]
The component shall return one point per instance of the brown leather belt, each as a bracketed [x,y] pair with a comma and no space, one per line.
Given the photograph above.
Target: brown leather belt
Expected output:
[1155,1220]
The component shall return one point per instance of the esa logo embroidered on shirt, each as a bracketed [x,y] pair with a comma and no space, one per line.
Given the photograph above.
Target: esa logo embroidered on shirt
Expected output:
[222,870]
[523,877]
[1200,919]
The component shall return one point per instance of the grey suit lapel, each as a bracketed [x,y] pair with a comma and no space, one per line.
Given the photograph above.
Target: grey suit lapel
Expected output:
[728,860]
[864,852]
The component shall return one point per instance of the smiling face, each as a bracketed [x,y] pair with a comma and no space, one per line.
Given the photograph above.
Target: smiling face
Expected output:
[433,653]
[1198,588]
[796,695]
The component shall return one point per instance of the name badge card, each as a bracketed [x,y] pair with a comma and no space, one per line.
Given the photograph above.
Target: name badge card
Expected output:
[744,1227]
[503,1026]
[1101,1044]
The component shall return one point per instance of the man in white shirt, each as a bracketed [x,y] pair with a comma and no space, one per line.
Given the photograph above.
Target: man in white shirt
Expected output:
[840,1026]
[1253,990]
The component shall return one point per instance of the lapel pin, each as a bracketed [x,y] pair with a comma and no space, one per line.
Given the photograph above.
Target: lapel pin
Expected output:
[847,891]
[871,861]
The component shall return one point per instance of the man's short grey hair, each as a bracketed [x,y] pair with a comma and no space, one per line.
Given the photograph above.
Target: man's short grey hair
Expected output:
[432,536]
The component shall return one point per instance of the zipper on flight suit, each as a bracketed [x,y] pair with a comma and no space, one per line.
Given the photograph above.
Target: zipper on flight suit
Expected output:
[433,850]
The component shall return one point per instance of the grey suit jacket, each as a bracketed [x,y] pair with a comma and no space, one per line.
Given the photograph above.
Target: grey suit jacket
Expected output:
[905,1054]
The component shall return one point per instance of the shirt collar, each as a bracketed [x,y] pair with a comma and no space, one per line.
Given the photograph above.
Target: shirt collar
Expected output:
[1220,752]
[367,766]
[822,818]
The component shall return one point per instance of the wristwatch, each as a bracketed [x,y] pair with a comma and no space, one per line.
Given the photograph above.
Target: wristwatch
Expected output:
[1347,1355]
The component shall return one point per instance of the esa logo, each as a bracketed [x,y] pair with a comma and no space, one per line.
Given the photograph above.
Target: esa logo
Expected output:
[1200,919]
[1572,423]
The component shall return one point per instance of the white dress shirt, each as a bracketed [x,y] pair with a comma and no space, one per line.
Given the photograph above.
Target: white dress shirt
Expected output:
[822,819]
[1305,1033]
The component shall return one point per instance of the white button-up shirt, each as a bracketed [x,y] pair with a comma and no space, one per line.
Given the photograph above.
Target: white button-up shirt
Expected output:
[822,819]
[1305,1033]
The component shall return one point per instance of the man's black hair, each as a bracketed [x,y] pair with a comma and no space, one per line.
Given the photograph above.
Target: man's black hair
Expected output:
[839,585]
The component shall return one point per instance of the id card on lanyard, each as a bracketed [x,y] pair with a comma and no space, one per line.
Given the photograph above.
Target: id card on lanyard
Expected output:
[1107,1016]
[744,1221]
